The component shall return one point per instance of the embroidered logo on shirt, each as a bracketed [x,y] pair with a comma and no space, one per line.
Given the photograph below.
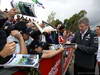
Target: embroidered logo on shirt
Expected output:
[95,39]
[87,37]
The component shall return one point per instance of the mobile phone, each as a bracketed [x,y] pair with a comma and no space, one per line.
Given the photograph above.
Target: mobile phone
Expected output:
[15,42]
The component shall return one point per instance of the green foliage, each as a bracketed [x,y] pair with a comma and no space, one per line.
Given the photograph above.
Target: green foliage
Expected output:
[51,17]
[56,22]
[72,22]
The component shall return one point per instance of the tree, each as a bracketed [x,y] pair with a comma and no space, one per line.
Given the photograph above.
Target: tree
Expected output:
[56,22]
[51,17]
[72,22]
[82,13]
[66,23]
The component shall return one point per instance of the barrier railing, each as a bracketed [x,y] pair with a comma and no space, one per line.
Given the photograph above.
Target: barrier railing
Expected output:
[58,65]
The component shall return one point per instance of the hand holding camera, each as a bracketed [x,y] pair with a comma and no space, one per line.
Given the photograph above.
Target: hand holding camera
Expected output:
[8,49]
[16,34]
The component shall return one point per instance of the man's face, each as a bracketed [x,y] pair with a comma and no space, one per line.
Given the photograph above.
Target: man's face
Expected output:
[83,27]
[97,30]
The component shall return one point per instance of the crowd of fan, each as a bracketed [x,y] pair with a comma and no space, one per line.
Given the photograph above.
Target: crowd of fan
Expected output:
[21,36]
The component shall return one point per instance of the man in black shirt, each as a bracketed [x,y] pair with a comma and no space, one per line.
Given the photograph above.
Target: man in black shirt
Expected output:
[87,45]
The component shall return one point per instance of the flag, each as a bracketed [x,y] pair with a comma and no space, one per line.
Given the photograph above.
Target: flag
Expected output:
[38,3]
[35,1]
[12,3]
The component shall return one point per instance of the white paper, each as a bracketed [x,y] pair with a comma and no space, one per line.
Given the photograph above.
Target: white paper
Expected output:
[23,60]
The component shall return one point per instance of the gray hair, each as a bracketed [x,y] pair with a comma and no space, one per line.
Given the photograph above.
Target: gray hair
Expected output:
[84,20]
[98,26]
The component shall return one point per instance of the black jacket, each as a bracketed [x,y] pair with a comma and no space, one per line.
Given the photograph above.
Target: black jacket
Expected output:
[2,44]
[86,49]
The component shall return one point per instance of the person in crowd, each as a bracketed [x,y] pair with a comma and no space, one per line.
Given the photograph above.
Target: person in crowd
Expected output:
[37,48]
[6,10]
[40,47]
[67,36]
[60,30]
[60,35]
[85,49]
[98,53]
[18,18]
[29,20]
[6,48]
[31,25]
[20,29]
[8,24]
[21,49]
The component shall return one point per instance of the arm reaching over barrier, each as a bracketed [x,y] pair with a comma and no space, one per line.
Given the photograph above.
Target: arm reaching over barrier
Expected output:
[49,53]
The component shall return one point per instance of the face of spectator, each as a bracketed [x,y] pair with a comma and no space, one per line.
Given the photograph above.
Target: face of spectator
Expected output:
[13,12]
[18,17]
[66,33]
[25,36]
[30,25]
[98,31]
[83,27]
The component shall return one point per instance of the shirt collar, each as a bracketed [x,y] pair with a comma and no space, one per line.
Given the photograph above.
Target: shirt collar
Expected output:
[84,32]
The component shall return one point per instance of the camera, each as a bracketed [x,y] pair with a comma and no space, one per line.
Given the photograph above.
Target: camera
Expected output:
[25,8]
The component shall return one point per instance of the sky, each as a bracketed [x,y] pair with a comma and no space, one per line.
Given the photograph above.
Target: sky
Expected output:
[64,9]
